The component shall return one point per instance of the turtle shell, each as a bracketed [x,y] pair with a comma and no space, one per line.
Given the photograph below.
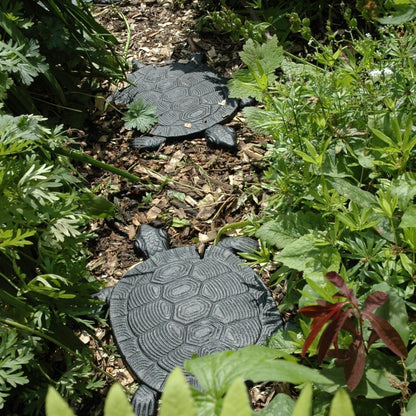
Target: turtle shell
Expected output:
[176,305]
[189,98]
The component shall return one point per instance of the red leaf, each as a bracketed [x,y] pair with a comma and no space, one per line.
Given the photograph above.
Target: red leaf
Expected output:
[339,282]
[316,326]
[350,325]
[387,334]
[330,334]
[372,338]
[354,364]
[375,300]
[314,311]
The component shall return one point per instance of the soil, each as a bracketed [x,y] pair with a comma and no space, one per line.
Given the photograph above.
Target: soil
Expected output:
[188,188]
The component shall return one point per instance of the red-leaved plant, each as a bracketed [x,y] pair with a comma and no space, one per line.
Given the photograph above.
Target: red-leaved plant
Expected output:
[347,315]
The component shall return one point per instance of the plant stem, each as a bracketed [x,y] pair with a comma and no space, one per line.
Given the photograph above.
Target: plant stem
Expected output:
[82,157]
[32,331]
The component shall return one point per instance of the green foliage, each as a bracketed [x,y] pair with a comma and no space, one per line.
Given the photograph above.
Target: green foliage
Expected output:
[177,398]
[140,116]
[340,174]
[116,403]
[59,45]
[14,356]
[221,378]
[45,287]
[262,61]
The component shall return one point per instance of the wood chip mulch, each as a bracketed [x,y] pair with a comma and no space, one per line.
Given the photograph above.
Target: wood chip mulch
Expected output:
[188,188]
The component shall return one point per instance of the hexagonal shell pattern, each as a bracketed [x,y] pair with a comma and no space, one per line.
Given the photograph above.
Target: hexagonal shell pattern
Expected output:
[189,98]
[176,304]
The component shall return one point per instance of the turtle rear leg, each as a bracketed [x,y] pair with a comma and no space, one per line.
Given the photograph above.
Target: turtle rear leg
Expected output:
[104,294]
[221,136]
[144,401]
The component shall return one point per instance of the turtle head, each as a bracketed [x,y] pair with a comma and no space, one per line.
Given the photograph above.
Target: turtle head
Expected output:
[150,240]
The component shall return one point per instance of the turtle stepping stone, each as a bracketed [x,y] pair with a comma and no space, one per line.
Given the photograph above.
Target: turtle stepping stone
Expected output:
[177,304]
[190,98]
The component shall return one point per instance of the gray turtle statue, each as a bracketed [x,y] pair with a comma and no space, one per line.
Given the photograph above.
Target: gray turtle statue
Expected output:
[190,98]
[177,304]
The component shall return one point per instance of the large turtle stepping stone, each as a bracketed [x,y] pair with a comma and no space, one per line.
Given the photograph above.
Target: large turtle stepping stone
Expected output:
[177,304]
[190,98]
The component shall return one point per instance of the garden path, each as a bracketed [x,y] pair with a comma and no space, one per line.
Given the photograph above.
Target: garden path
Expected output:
[188,188]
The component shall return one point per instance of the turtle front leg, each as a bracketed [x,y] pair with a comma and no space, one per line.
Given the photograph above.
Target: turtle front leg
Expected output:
[144,401]
[239,244]
[148,142]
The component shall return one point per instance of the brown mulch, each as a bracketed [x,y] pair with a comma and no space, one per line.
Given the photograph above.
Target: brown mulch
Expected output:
[188,188]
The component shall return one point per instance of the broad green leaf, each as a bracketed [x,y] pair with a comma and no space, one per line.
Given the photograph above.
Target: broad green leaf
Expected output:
[409,218]
[341,404]
[376,383]
[354,193]
[55,405]
[307,158]
[303,406]
[298,69]
[215,373]
[281,405]
[411,406]
[177,398]
[308,255]
[404,14]
[386,139]
[236,401]
[394,310]
[116,403]
[286,228]
[96,206]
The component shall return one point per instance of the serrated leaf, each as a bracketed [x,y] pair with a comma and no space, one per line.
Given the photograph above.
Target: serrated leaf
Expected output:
[18,238]
[268,55]
[286,228]
[236,401]
[305,254]
[140,116]
[55,405]
[177,398]
[116,403]
[341,404]
[262,61]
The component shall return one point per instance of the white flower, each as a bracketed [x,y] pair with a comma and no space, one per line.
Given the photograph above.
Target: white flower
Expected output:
[368,36]
[375,73]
